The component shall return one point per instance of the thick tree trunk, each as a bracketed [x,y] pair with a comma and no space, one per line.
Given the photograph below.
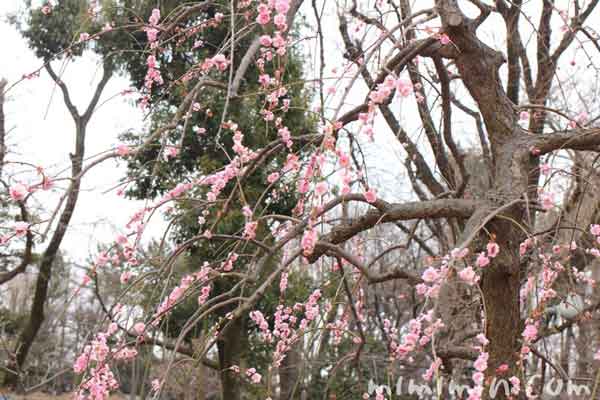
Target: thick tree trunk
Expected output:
[501,286]
[478,65]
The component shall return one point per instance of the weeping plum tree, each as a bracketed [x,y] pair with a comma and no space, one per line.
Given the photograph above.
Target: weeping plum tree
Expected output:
[483,242]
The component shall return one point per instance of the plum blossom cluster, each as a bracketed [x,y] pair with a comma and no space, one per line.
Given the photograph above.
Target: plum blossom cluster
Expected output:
[199,278]
[94,361]
[338,328]
[309,240]
[383,91]
[227,265]
[19,193]
[153,75]
[152,29]
[416,338]
[254,376]
[480,365]
[382,95]
[581,119]
[434,276]
[552,261]
[288,328]
[265,11]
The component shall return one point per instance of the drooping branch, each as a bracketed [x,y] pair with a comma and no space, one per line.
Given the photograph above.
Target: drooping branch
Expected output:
[181,348]
[353,53]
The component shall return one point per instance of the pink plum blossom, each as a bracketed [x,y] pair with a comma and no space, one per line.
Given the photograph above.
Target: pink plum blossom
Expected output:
[468,275]
[21,228]
[482,260]
[371,196]
[139,328]
[493,249]
[18,191]
[530,332]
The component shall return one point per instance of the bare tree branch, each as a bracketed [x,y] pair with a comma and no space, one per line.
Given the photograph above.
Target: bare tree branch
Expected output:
[65,91]
[443,208]
[576,139]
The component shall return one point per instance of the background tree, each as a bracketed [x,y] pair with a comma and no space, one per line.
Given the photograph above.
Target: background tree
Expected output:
[58,34]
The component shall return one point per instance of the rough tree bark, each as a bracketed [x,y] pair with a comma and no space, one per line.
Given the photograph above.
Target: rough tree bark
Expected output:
[478,66]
